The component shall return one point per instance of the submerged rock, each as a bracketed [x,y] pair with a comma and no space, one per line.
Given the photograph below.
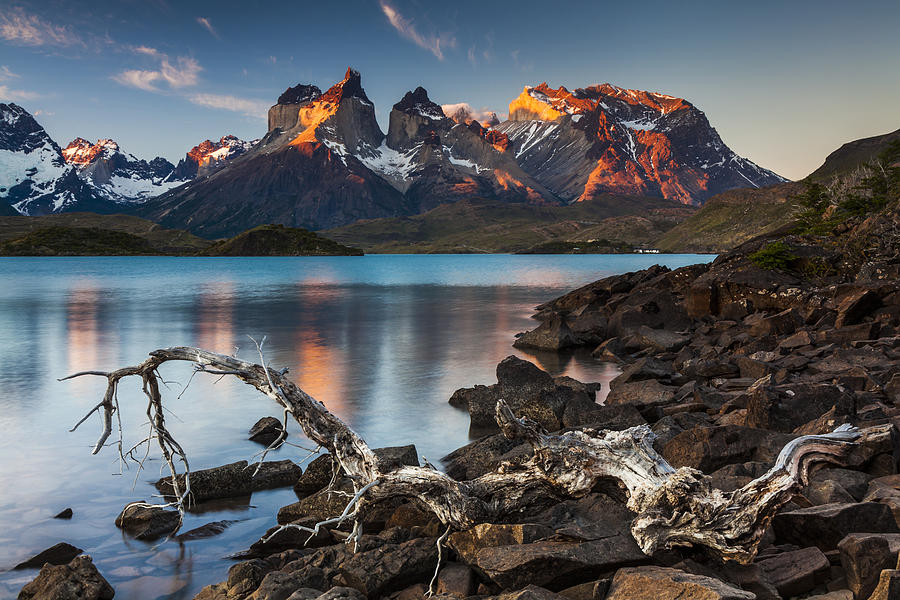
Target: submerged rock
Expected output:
[235,479]
[266,431]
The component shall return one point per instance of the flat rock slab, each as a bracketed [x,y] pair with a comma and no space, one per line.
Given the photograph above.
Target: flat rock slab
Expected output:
[797,572]
[58,554]
[663,583]
[826,525]
[557,564]
[77,580]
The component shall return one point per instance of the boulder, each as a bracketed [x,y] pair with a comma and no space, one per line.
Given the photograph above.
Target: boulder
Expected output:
[647,368]
[710,448]
[641,393]
[340,593]
[557,564]
[531,592]
[280,585]
[591,590]
[266,431]
[783,323]
[552,334]
[664,583]
[786,407]
[245,577]
[826,525]
[482,456]
[77,580]
[388,568]
[864,556]
[468,543]
[58,554]
[855,306]
[144,522]
[661,340]
[457,580]
[394,457]
[797,572]
[235,479]
[599,416]
[66,513]
[319,473]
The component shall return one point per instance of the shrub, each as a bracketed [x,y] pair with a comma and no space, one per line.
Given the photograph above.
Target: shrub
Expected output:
[776,256]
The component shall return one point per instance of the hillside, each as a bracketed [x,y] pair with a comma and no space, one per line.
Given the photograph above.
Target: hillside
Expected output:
[166,241]
[852,154]
[736,216]
[278,240]
[77,241]
[483,226]
[733,217]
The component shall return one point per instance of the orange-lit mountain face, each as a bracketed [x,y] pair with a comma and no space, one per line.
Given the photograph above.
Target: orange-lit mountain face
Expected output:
[324,162]
[605,139]
[208,156]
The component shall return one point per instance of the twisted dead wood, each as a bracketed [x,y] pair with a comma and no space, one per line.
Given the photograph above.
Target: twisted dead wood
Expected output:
[674,507]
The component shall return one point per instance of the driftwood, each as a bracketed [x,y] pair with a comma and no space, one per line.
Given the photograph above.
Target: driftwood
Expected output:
[674,507]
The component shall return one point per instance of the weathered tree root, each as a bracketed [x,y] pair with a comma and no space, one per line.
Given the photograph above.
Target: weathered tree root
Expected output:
[674,507]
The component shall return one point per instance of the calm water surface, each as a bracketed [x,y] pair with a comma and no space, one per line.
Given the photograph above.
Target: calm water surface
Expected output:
[383,341]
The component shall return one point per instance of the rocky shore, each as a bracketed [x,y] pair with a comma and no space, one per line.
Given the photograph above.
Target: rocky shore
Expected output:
[726,363]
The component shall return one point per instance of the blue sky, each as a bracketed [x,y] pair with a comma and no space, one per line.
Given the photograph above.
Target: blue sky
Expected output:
[783,82]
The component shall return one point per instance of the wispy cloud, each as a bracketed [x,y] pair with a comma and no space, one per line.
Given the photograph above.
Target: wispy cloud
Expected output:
[432,42]
[522,66]
[13,95]
[182,73]
[245,106]
[204,22]
[19,27]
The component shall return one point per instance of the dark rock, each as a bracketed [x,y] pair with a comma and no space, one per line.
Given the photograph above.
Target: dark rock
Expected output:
[827,525]
[553,334]
[322,505]
[669,426]
[848,334]
[599,416]
[855,306]
[864,556]
[147,522]
[613,350]
[318,474]
[77,580]
[280,585]
[64,514]
[289,539]
[245,577]
[266,431]
[644,392]
[58,554]
[394,457]
[531,592]
[482,456]
[855,482]
[388,568]
[557,564]
[754,368]
[591,590]
[235,479]
[646,368]
[709,448]
[786,407]
[783,323]
[341,593]
[797,572]
[204,531]
[827,492]
[664,583]
[457,580]
[661,340]
[468,543]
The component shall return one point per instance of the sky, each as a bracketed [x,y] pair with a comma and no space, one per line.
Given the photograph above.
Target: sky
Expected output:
[784,83]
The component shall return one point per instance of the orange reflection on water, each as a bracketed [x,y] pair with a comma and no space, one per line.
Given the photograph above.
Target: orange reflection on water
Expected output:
[321,368]
[83,336]
[215,318]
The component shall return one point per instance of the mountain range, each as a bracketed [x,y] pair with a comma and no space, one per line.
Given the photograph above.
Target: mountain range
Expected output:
[324,162]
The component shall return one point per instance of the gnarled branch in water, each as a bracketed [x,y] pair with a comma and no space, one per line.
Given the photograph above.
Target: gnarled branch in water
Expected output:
[674,507]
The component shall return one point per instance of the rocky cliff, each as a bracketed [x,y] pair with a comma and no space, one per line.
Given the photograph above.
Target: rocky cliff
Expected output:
[607,139]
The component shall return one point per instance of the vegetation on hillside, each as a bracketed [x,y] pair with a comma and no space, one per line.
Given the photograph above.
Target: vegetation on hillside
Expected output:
[278,240]
[77,241]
